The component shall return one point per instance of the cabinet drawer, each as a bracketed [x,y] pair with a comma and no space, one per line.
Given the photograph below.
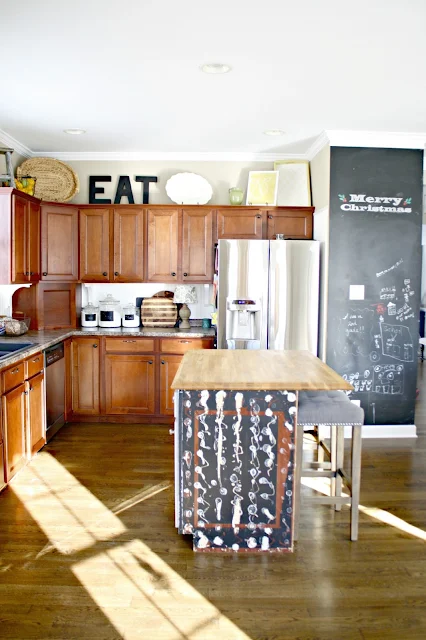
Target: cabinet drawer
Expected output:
[33,365]
[128,345]
[182,345]
[13,377]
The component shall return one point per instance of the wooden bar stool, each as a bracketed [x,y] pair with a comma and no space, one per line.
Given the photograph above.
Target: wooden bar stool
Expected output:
[334,409]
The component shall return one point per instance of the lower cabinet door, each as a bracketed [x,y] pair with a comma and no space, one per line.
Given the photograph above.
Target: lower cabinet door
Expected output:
[168,367]
[85,376]
[14,430]
[129,384]
[36,414]
[2,467]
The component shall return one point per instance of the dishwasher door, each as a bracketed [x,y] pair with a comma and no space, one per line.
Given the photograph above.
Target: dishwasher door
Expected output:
[55,389]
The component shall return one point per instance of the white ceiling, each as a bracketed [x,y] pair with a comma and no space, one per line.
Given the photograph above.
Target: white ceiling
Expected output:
[128,72]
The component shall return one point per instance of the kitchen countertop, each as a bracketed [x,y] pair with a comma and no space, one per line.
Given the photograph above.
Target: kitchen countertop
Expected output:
[256,370]
[40,340]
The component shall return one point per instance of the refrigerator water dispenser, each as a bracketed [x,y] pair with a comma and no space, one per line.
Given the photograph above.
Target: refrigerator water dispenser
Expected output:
[243,324]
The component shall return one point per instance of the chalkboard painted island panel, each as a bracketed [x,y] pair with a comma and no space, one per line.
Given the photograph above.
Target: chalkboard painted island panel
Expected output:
[234,469]
[374,281]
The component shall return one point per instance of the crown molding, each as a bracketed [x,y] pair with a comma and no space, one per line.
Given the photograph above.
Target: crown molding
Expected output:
[379,139]
[8,141]
[321,142]
[175,156]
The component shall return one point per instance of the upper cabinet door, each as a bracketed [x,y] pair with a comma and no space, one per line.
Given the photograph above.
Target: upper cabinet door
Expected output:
[94,245]
[293,223]
[34,241]
[163,243]
[197,245]
[59,228]
[129,235]
[240,223]
[19,253]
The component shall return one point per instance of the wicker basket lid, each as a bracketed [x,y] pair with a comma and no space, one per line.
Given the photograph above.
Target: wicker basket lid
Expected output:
[56,181]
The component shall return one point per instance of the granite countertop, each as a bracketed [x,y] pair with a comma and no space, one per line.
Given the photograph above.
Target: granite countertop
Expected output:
[40,340]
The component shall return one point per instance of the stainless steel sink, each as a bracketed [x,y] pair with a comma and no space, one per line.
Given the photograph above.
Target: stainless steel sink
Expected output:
[8,348]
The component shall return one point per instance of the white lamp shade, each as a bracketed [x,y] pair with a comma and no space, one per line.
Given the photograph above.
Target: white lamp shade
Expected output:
[185,293]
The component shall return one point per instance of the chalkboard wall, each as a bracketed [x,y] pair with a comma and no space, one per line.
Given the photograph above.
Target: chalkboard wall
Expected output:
[374,277]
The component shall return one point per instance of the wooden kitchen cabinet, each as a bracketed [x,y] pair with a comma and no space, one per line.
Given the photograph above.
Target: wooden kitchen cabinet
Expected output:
[240,223]
[197,263]
[36,415]
[129,384]
[14,426]
[293,223]
[169,364]
[180,245]
[20,237]
[59,248]
[85,375]
[163,245]
[2,459]
[112,244]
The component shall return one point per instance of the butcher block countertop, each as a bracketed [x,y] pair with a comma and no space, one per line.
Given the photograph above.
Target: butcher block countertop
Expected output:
[259,370]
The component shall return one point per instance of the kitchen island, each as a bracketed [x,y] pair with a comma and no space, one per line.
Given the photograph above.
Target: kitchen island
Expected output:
[235,431]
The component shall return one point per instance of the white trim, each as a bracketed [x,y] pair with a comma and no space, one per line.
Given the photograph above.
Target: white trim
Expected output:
[321,142]
[8,141]
[173,156]
[384,139]
[378,431]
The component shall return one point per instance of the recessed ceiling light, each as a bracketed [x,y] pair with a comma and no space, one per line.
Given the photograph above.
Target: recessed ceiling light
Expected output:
[75,132]
[215,67]
[274,132]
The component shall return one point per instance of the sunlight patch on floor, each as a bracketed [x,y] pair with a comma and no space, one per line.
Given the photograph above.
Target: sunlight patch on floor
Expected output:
[322,485]
[134,588]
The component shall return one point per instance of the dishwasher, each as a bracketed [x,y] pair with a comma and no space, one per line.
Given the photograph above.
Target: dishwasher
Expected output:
[54,363]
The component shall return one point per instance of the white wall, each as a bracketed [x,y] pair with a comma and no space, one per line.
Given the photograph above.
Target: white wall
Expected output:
[221,176]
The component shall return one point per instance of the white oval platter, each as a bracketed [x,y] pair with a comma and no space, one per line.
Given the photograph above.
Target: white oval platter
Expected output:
[188,188]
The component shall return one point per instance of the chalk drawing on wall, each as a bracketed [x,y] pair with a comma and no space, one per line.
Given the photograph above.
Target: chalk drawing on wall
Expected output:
[389,379]
[397,342]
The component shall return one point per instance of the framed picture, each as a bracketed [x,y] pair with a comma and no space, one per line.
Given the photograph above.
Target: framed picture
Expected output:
[262,188]
[294,183]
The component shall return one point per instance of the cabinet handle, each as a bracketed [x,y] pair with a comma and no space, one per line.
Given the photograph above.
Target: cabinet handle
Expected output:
[173,273]
[15,370]
[116,273]
[27,273]
[36,359]
[31,388]
[45,273]
[104,273]
[31,273]
[95,346]
[149,361]
[25,393]
[129,340]
[162,362]
[185,274]
[171,431]
[185,341]
[270,217]
[258,216]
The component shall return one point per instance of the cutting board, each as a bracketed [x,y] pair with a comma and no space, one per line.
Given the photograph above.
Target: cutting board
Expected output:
[158,312]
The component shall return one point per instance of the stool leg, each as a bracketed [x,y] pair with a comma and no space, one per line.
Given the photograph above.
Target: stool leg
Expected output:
[340,448]
[9,168]
[320,449]
[297,480]
[333,456]
[356,479]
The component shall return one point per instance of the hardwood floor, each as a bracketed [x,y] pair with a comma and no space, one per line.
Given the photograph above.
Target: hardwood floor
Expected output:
[88,549]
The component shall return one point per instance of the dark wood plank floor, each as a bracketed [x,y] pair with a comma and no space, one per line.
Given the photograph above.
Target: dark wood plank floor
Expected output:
[88,549]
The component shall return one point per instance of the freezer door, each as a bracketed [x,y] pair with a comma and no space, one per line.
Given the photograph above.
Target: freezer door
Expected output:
[293,295]
[243,294]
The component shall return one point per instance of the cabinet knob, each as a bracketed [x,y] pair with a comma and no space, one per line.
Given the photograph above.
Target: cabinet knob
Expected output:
[25,393]
[149,361]
[270,217]
[162,362]
[185,274]
[173,273]
[129,340]
[105,273]
[27,273]
[31,388]
[45,273]
[258,216]
[95,346]
[116,273]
